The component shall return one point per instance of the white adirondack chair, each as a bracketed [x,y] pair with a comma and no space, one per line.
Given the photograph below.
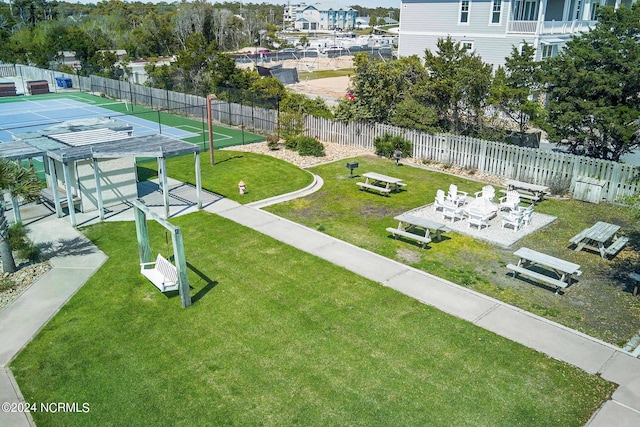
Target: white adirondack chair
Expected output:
[510,201]
[456,196]
[477,218]
[440,200]
[527,214]
[450,210]
[514,219]
[488,192]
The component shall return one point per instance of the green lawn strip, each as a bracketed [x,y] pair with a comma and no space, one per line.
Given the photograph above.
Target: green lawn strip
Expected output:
[279,337]
[323,74]
[341,210]
[265,176]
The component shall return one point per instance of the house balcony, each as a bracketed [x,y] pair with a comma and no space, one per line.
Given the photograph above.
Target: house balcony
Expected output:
[549,27]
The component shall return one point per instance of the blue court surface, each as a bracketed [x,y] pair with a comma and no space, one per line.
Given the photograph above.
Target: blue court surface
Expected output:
[28,116]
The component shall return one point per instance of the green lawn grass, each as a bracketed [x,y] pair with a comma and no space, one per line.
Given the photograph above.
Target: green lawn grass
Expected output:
[279,337]
[596,305]
[264,176]
[323,74]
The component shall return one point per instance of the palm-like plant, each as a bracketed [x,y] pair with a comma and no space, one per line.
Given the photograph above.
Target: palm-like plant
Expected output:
[17,181]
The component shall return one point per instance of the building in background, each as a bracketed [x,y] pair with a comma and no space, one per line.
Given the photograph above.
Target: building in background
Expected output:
[323,16]
[492,28]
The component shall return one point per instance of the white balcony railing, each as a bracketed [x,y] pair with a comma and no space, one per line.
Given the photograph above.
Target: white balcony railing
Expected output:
[523,27]
[566,27]
[550,27]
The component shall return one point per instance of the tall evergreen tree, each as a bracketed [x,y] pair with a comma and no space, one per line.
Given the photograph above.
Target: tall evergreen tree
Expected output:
[594,87]
[515,86]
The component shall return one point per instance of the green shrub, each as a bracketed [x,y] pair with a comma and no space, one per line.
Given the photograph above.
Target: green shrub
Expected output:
[30,252]
[387,144]
[273,141]
[5,284]
[22,245]
[17,236]
[308,146]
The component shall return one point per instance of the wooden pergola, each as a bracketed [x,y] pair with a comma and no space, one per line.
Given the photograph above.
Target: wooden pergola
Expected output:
[159,146]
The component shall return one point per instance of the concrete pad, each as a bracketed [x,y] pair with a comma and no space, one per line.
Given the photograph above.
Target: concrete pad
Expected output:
[360,261]
[11,394]
[221,206]
[624,369]
[295,235]
[441,294]
[548,337]
[24,317]
[614,414]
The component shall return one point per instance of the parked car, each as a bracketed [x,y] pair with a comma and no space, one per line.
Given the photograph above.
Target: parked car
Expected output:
[263,51]
[312,50]
[288,50]
[333,49]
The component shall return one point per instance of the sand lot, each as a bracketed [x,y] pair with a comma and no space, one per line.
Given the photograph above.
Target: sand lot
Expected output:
[331,87]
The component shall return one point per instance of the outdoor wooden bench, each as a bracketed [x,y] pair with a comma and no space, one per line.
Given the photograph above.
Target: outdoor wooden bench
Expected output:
[8,89]
[616,246]
[46,195]
[399,232]
[38,87]
[537,276]
[162,274]
[382,190]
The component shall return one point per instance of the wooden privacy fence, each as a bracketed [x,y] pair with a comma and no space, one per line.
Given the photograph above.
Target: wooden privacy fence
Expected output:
[492,158]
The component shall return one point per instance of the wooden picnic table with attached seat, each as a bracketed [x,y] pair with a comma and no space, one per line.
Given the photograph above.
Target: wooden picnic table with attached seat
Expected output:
[382,183]
[565,270]
[533,192]
[601,237]
[408,224]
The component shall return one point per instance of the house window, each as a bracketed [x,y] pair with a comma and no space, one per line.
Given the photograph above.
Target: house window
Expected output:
[464,11]
[578,9]
[525,10]
[547,51]
[594,11]
[495,11]
[467,45]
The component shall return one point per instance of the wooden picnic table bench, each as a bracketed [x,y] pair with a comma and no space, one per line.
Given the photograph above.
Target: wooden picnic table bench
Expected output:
[565,270]
[532,192]
[601,237]
[381,183]
[408,224]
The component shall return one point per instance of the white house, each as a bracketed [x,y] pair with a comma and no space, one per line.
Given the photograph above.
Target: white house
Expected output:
[325,16]
[492,27]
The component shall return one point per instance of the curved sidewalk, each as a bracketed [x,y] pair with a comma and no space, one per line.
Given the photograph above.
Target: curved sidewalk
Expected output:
[76,259]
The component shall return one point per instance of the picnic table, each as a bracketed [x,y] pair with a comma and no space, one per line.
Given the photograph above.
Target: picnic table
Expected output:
[601,237]
[564,270]
[408,224]
[533,192]
[381,183]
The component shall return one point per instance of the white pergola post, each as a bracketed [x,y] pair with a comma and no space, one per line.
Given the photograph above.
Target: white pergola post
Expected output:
[54,187]
[67,183]
[96,175]
[164,184]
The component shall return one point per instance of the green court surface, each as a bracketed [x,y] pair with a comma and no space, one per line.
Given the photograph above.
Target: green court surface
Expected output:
[163,121]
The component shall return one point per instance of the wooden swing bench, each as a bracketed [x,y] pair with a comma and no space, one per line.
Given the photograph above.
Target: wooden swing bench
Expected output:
[161,273]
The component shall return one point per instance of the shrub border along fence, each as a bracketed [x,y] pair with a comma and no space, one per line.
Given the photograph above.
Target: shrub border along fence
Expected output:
[492,158]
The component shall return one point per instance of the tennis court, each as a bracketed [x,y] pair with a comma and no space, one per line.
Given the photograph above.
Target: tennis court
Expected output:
[33,113]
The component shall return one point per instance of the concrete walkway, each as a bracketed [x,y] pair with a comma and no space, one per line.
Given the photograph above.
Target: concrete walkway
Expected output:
[23,319]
